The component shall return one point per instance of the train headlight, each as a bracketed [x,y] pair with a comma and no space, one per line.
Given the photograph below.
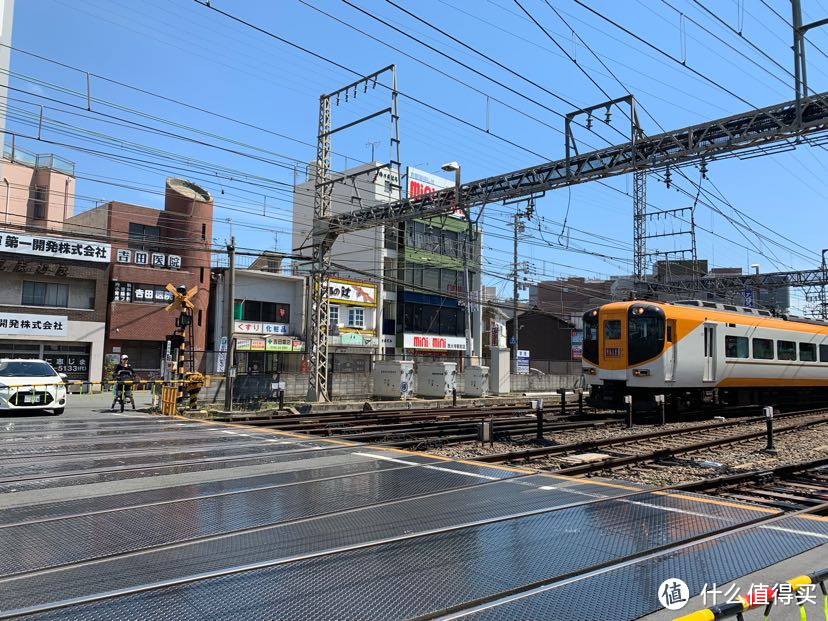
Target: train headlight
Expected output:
[641,372]
[639,310]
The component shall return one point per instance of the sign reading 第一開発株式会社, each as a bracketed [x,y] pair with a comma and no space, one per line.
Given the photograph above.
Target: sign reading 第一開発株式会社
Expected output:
[29,324]
[55,247]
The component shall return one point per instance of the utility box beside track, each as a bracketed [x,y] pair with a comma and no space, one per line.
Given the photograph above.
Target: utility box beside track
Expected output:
[476,381]
[394,379]
[436,379]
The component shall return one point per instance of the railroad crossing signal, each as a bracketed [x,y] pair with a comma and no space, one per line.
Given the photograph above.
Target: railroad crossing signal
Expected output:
[181,298]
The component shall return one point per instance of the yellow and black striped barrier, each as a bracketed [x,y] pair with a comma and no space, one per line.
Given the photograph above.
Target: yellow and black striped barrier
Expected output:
[181,393]
[766,596]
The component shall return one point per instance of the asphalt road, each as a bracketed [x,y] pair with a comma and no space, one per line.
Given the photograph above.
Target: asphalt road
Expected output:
[86,406]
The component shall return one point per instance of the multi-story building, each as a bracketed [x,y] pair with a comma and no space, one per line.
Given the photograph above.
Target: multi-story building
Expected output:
[153,248]
[53,300]
[36,190]
[367,259]
[419,266]
[268,318]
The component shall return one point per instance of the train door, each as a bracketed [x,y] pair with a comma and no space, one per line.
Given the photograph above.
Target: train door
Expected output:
[709,353]
[670,351]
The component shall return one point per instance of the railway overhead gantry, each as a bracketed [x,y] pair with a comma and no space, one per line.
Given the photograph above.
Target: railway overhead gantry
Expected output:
[804,119]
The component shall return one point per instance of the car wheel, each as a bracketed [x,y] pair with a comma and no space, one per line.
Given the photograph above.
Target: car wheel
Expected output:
[56,412]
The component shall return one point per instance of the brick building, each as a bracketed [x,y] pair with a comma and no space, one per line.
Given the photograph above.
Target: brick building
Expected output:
[153,248]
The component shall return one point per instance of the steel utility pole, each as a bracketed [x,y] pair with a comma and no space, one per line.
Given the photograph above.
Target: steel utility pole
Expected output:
[518,228]
[823,301]
[229,322]
[468,253]
[515,329]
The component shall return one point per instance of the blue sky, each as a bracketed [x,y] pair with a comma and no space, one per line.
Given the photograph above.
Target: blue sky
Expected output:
[184,51]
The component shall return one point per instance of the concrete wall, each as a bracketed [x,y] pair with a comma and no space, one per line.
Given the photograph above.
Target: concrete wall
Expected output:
[360,385]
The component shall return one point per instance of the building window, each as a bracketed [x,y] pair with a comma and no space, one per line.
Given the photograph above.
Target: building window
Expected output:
[356,317]
[333,315]
[203,230]
[45,294]
[807,352]
[122,292]
[763,349]
[144,237]
[737,347]
[39,197]
[268,312]
[786,350]
[199,316]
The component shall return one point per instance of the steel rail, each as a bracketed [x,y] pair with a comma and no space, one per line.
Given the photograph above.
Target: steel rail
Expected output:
[593,444]
[662,453]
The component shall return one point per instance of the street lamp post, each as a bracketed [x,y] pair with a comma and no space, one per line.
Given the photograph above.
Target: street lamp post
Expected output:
[454,166]
[755,267]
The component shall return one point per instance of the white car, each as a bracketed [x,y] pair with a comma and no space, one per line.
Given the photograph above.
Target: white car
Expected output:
[31,385]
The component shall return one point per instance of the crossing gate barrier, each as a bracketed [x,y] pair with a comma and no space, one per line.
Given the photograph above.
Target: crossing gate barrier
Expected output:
[765,596]
[169,400]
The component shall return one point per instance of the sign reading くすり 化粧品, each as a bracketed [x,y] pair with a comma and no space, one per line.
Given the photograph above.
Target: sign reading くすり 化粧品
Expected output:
[55,247]
[28,324]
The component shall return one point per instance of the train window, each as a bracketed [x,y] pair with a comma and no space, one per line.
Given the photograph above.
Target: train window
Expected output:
[823,353]
[709,304]
[786,350]
[764,313]
[807,352]
[590,345]
[612,329]
[645,333]
[763,349]
[737,347]
[729,308]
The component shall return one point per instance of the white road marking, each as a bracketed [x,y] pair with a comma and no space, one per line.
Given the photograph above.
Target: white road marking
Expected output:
[438,468]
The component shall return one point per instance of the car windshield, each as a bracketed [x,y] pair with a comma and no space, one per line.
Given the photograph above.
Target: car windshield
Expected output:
[25,368]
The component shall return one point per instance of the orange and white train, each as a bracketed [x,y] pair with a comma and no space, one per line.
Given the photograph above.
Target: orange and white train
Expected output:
[695,352]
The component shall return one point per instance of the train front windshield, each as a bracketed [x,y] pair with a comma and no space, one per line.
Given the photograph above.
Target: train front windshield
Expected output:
[645,333]
[590,344]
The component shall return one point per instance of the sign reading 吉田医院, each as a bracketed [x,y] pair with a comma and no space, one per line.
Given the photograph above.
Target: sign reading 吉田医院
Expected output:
[144,258]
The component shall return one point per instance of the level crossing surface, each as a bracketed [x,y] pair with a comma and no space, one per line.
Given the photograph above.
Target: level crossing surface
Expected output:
[144,517]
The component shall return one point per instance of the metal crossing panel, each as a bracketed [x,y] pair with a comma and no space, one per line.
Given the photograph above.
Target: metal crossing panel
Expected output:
[321,529]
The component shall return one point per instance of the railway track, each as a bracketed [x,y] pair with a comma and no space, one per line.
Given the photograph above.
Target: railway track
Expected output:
[652,447]
[791,487]
[425,429]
